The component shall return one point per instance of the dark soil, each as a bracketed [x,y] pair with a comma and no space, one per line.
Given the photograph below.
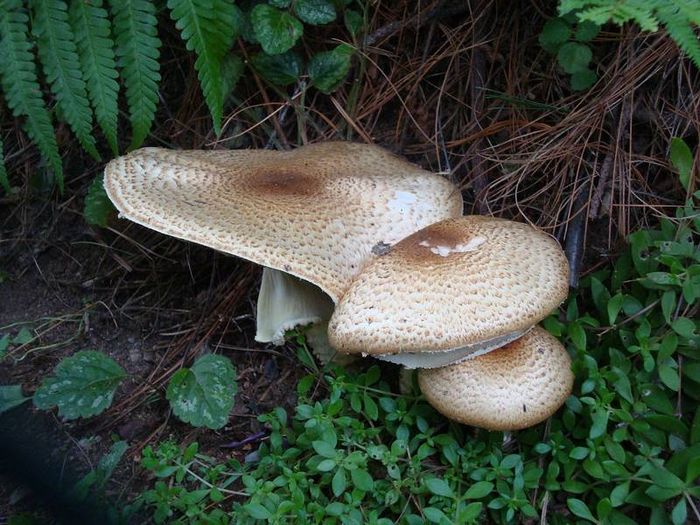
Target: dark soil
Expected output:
[153,310]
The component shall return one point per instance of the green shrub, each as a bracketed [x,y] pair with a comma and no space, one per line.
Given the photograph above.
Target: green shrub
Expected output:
[624,449]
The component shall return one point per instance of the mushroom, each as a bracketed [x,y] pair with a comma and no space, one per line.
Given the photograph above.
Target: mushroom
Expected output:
[315,216]
[455,289]
[510,388]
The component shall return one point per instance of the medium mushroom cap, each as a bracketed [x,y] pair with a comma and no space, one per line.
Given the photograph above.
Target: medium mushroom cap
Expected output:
[462,285]
[316,212]
[513,387]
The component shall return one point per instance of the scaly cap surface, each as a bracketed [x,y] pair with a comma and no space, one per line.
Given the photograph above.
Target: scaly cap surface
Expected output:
[513,387]
[316,212]
[454,284]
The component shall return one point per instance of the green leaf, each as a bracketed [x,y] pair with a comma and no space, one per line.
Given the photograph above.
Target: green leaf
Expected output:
[98,206]
[577,335]
[315,12]
[434,515]
[583,79]
[439,487]
[554,33]
[20,85]
[324,449]
[679,514]
[479,490]
[257,511]
[277,31]
[362,480]
[208,27]
[586,31]
[339,482]
[619,493]
[204,394]
[682,160]
[684,327]
[353,22]
[10,397]
[668,304]
[82,385]
[599,418]
[580,509]
[614,307]
[137,50]
[669,377]
[59,58]
[97,61]
[574,57]
[280,70]
[326,465]
[328,69]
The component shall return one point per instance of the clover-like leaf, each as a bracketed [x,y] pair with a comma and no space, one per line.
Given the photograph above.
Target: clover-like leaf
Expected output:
[203,395]
[574,57]
[554,33]
[329,68]
[82,385]
[277,31]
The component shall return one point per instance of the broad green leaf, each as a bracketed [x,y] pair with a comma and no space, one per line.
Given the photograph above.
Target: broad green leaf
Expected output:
[554,33]
[684,327]
[679,514]
[204,394]
[277,31]
[669,377]
[82,385]
[577,335]
[439,487]
[280,70]
[257,511]
[586,31]
[315,12]
[614,307]
[328,69]
[479,490]
[574,57]
[324,449]
[362,480]
[580,509]
[353,22]
[583,79]
[434,515]
[682,160]
[619,493]
[668,304]
[339,482]
[98,206]
[10,397]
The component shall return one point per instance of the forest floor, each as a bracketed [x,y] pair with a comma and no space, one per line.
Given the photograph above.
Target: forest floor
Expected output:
[463,95]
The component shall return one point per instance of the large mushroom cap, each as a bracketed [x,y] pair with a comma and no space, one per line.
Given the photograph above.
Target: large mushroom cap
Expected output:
[315,212]
[471,282]
[513,387]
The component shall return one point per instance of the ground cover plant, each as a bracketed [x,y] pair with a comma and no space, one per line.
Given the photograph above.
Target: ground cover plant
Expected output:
[541,111]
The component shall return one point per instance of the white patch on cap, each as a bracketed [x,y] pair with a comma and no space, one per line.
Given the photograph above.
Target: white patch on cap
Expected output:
[401,200]
[443,251]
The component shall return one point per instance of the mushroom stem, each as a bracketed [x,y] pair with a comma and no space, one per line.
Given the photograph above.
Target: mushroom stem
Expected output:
[285,302]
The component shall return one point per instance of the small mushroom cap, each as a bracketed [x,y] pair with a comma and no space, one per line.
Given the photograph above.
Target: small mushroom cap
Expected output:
[513,387]
[454,284]
[315,212]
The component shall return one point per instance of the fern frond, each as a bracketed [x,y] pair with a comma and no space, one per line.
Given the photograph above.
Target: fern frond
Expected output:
[96,52]
[59,58]
[676,23]
[677,16]
[207,26]
[4,181]
[20,85]
[137,54]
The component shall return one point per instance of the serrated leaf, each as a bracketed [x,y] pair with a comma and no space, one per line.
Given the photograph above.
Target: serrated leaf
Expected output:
[204,394]
[315,12]
[280,70]
[98,206]
[277,31]
[574,57]
[328,69]
[682,160]
[10,397]
[208,27]
[20,85]
[137,51]
[82,385]
[59,58]
[97,61]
